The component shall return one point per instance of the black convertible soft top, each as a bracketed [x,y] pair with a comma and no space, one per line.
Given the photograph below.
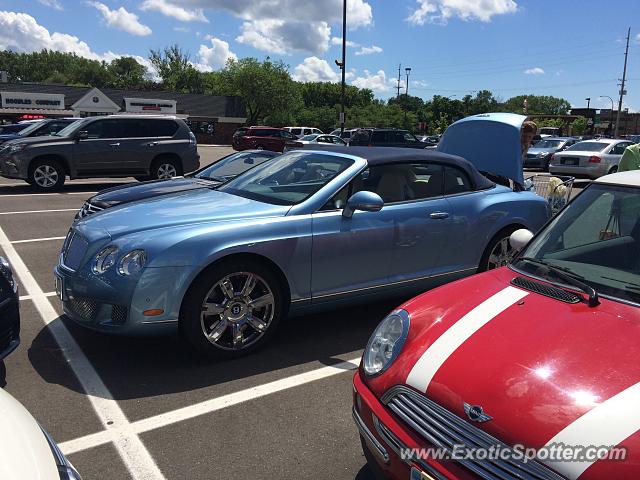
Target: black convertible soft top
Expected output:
[391,155]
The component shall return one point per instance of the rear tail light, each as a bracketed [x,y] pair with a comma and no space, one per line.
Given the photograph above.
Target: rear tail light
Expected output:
[594,159]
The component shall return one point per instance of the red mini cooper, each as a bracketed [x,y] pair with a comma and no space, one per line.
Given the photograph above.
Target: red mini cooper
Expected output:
[530,371]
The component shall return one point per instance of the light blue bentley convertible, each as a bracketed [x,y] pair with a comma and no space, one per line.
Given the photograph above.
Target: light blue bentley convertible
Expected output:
[307,230]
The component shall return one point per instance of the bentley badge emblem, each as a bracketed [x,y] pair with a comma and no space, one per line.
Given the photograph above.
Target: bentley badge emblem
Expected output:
[476,413]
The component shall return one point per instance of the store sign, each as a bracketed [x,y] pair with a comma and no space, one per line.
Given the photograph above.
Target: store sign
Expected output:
[149,105]
[48,101]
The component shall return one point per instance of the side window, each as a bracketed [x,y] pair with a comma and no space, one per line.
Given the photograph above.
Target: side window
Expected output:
[405,182]
[99,129]
[162,128]
[323,139]
[379,137]
[307,131]
[455,181]
[131,128]
[296,131]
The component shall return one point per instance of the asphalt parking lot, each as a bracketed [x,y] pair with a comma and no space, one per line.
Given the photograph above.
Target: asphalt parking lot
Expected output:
[124,408]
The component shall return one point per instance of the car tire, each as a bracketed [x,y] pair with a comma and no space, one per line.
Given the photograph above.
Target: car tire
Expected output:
[165,168]
[613,169]
[498,251]
[217,316]
[47,174]
[142,179]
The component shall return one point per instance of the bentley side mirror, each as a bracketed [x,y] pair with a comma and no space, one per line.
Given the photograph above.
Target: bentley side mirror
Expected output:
[363,200]
[82,135]
[520,239]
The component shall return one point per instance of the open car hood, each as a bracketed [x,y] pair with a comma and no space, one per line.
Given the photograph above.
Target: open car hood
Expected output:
[491,141]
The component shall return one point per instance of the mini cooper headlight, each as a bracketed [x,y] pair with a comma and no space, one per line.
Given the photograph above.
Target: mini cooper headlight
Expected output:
[132,263]
[105,259]
[386,343]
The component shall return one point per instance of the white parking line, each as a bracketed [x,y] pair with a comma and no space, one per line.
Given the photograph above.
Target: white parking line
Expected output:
[31,297]
[134,454]
[44,194]
[209,406]
[41,211]
[32,240]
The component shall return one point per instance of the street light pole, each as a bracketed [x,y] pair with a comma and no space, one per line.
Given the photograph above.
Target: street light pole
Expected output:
[611,116]
[406,94]
[588,99]
[342,65]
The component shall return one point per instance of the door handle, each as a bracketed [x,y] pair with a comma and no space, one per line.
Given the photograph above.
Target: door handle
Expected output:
[439,215]
[152,144]
[114,144]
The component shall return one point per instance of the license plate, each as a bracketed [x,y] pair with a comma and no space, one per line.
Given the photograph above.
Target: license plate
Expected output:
[419,475]
[570,161]
[60,288]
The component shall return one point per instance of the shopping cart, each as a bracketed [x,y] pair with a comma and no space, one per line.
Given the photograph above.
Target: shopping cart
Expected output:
[555,188]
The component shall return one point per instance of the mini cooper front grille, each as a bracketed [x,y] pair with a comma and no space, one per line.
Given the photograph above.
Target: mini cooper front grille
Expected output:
[442,428]
[87,209]
[546,290]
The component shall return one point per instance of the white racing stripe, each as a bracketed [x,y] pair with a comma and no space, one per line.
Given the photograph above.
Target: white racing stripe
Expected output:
[439,351]
[609,423]
[134,454]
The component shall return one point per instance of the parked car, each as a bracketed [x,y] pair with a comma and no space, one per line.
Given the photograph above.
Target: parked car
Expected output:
[591,158]
[536,354]
[223,266]
[113,146]
[12,128]
[346,134]
[9,310]
[27,450]
[302,131]
[539,155]
[323,140]
[632,138]
[265,138]
[385,137]
[430,140]
[207,177]
[545,132]
[40,128]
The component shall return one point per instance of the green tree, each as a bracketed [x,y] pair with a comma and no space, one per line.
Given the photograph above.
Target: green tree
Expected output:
[127,72]
[176,70]
[536,104]
[579,126]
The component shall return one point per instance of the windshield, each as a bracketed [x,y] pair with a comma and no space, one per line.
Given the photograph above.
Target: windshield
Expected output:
[548,144]
[310,138]
[232,166]
[288,179]
[34,126]
[597,238]
[588,146]
[71,128]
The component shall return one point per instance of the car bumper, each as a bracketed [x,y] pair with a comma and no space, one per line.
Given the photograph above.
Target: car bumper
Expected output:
[537,162]
[594,170]
[11,167]
[385,437]
[9,326]
[119,306]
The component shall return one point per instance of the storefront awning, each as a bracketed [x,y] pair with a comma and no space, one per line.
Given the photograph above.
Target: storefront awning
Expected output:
[36,111]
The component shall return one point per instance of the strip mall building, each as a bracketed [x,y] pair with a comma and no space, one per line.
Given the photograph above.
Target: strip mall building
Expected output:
[212,118]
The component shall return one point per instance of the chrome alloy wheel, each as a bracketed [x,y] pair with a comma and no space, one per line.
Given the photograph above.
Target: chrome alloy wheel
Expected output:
[166,171]
[501,254]
[45,176]
[237,311]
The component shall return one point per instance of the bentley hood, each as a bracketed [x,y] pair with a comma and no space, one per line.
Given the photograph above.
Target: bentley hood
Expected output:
[178,209]
[544,371]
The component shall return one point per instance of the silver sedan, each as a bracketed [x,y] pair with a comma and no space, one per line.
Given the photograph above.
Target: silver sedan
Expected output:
[591,158]
[323,139]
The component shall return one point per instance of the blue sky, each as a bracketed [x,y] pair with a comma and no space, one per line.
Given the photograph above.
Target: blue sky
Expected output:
[571,49]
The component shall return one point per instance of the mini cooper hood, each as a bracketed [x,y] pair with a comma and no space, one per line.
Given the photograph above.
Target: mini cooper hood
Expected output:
[491,141]
[533,363]
[183,208]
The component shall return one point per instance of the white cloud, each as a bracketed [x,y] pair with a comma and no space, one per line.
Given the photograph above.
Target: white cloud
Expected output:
[55,4]
[439,11]
[282,37]
[534,71]
[338,41]
[175,11]
[377,82]
[314,69]
[21,32]
[214,57]
[121,19]
[420,83]
[182,29]
[369,50]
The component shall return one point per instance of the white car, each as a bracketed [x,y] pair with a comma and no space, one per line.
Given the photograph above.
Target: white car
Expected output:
[323,140]
[27,452]
[591,158]
[302,131]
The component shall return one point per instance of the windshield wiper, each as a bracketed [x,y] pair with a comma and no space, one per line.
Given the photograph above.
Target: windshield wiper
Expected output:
[568,276]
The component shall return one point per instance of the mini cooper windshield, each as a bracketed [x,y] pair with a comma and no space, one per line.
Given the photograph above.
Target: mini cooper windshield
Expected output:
[288,179]
[595,241]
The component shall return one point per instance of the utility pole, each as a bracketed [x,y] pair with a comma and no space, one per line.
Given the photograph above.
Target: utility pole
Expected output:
[399,67]
[588,99]
[624,77]
[342,65]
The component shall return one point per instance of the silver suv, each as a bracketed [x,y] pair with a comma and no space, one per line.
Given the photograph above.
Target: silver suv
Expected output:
[114,146]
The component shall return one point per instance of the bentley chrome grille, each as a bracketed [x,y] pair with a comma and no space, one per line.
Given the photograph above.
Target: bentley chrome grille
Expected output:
[442,428]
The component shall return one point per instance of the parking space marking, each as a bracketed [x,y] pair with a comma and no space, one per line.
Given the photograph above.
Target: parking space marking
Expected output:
[31,297]
[44,194]
[134,454]
[209,406]
[32,240]
[41,211]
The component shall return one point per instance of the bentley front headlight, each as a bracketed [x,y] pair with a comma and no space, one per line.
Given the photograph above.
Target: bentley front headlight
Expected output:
[132,263]
[385,344]
[104,260]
